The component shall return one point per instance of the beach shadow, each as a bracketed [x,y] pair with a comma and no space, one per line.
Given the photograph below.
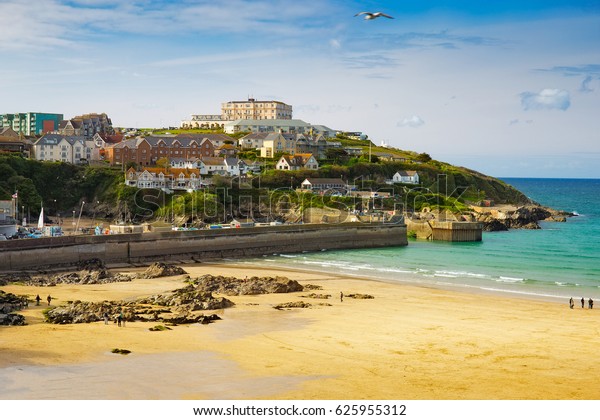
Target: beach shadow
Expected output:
[170,376]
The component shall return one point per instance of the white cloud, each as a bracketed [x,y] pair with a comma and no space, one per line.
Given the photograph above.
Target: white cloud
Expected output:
[546,99]
[414,122]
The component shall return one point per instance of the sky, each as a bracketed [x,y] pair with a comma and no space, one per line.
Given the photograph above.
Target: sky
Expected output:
[508,88]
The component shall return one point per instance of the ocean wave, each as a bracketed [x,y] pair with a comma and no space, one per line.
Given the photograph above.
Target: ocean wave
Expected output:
[288,256]
[505,279]
[567,284]
[444,274]
[393,270]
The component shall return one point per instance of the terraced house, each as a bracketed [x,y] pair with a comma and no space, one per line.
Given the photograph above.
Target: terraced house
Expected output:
[164,178]
[146,151]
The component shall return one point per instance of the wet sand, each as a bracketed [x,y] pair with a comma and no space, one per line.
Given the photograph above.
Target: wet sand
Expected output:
[406,343]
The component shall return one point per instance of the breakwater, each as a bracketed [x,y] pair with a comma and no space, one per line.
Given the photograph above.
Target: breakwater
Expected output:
[32,254]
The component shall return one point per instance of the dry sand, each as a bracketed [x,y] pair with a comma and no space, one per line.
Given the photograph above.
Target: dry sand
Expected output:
[406,343]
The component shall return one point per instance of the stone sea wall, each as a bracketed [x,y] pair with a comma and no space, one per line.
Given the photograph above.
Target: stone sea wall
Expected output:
[32,254]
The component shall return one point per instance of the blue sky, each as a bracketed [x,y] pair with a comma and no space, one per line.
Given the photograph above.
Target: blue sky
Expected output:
[509,88]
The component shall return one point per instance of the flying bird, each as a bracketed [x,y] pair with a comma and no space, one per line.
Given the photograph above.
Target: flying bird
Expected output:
[371,15]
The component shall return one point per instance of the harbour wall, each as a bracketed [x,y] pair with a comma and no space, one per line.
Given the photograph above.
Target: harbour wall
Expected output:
[33,254]
[449,231]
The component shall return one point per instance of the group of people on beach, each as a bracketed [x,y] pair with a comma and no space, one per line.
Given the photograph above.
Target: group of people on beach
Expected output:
[119,319]
[590,303]
[38,299]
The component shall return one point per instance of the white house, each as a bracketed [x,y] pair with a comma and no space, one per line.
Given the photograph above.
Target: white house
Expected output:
[60,148]
[164,178]
[300,161]
[232,166]
[406,177]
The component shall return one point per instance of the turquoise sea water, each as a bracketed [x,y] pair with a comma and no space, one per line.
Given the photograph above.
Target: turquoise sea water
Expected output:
[559,261]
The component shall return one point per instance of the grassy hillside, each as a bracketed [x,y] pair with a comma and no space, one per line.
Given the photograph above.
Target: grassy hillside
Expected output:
[62,187]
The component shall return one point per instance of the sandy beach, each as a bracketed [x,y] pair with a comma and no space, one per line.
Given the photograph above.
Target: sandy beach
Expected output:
[406,343]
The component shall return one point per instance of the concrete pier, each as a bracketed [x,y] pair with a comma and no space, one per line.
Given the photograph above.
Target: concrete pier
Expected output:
[450,231]
[31,254]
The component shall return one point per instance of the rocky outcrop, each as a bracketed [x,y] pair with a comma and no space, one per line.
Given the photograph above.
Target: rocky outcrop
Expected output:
[177,307]
[290,305]
[359,296]
[160,269]
[7,278]
[232,286]
[317,296]
[10,303]
[89,272]
[525,217]
[12,319]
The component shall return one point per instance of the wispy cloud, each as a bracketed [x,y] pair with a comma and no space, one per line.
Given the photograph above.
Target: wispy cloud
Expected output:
[35,24]
[546,99]
[413,122]
[589,72]
[442,39]
[369,61]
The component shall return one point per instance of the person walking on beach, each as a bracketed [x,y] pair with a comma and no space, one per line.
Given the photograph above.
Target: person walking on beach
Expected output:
[49,299]
[582,303]
[571,303]
[119,317]
[37,300]
[590,303]
[105,316]
[341,296]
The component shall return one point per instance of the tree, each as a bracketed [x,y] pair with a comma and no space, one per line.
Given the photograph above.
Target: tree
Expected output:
[423,157]
[163,162]
[337,155]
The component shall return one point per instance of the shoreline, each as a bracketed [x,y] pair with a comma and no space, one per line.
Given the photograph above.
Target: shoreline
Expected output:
[409,342]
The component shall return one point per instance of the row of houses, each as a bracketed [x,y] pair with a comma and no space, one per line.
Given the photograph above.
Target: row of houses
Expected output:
[191,175]
[146,151]
[188,174]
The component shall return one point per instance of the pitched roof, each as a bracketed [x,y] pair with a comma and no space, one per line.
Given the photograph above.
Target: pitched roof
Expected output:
[213,161]
[172,171]
[255,136]
[57,138]
[322,181]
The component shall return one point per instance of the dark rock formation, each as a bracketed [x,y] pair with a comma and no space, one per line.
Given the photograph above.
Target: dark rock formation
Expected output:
[526,217]
[177,307]
[313,287]
[10,303]
[160,269]
[232,286]
[359,296]
[493,225]
[7,278]
[89,272]
[12,319]
[317,296]
[290,305]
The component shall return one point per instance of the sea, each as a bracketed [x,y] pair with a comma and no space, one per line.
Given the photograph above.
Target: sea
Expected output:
[555,263]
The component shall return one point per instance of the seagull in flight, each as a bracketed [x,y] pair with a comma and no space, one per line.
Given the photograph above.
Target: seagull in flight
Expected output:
[371,15]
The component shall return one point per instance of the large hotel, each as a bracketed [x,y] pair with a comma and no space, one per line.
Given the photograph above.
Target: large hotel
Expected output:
[241,110]
[255,110]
